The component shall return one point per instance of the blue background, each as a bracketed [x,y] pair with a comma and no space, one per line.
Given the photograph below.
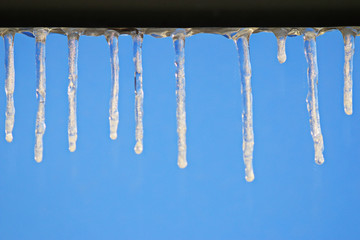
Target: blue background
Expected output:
[105,191]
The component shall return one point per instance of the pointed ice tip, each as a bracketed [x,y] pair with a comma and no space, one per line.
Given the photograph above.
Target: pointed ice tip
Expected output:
[9,137]
[113,136]
[182,164]
[138,148]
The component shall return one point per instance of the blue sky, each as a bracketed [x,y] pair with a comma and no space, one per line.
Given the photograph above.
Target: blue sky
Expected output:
[105,191]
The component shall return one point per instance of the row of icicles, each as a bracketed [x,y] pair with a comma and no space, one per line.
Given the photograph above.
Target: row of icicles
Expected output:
[241,39]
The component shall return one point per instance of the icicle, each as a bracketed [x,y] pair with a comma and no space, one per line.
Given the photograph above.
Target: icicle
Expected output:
[280,34]
[139,93]
[9,85]
[73,44]
[312,97]
[242,44]
[112,38]
[281,55]
[349,47]
[179,45]
[40,37]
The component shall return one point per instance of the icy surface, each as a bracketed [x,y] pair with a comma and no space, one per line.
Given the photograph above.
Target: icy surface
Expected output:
[112,38]
[242,44]
[40,37]
[9,85]
[73,44]
[179,45]
[139,93]
[312,97]
[349,49]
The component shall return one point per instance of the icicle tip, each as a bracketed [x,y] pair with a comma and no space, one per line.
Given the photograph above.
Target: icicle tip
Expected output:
[113,136]
[250,178]
[182,164]
[72,147]
[138,147]
[9,137]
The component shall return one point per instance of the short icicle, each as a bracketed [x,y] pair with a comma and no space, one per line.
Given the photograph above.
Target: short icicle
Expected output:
[40,38]
[349,49]
[9,84]
[179,45]
[281,55]
[73,44]
[281,35]
[139,93]
[242,44]
[112,38]
[312,97]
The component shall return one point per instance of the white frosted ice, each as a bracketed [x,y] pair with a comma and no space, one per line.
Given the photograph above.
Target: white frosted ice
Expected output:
[40,38]
[179,45]
[281,55]
[9,85]
[112,38]
[242,44]
[349,49]
[139,93]
[312,97]
[73,44]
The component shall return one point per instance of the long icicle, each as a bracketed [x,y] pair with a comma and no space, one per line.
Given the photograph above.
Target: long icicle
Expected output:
[179,45]
[242,44]
[9,85]
[40,38]
[139,93]
[349,48]
[112,38]
[73,44]
[312,97]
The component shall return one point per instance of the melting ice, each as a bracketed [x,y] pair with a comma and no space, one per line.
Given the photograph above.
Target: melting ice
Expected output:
[241,38]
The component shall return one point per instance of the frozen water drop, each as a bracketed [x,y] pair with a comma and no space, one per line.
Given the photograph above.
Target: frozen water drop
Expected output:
[138,148]
[113,135]
[9,137]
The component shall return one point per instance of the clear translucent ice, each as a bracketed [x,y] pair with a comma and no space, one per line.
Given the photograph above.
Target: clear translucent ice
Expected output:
[179,45]
[112,38]
[9,85]
[73,44]
[139,93]
[349,49]
[242,44]
[40,38]
[312,97]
